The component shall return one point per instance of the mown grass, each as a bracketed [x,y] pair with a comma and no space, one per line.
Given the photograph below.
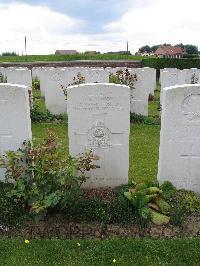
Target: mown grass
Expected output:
[155,104]
[88,253]
[50,58]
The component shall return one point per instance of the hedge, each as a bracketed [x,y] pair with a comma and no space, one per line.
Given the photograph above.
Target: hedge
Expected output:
[159,63]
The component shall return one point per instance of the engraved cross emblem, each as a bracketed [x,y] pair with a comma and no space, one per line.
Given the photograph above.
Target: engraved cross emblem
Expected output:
[100,139]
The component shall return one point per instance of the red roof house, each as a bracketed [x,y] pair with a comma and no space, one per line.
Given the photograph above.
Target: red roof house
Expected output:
[167,51]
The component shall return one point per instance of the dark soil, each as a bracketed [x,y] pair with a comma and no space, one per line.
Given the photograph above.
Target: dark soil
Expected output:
[58,227]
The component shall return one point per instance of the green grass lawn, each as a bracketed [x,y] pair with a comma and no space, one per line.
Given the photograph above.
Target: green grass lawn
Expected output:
[155,104]
[88,253]
[46,58]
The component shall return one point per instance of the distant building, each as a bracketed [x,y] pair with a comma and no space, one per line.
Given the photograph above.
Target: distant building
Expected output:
[167,51]
[91,52]
[65,52]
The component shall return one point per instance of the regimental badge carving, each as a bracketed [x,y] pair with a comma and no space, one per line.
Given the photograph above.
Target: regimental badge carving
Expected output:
[99,136]
[191,107]
[56,77]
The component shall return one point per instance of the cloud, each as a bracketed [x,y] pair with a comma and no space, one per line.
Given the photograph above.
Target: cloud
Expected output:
[159,21]
[143,22]
[38,23]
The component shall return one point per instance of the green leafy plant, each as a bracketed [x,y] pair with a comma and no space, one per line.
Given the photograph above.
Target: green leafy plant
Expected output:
[77,80]
[141,119]
[89,209]
[149,203]
[11,213]
[43,178]
[36,83]
[188,200]
[168,190]
[37,115]
[123,76]
[177,215]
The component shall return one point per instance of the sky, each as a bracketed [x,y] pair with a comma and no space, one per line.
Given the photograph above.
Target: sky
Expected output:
[100,25]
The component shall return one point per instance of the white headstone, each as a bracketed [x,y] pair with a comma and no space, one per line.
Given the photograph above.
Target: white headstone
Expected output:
[15,123]
[99,120]
[151,79]
[19,76]
[55,99]
[96,76]
[140,93]
[169,78]
[179,160]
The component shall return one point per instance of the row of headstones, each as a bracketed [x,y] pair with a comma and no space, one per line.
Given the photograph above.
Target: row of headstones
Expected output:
[52,80]
[173,76]
[98,119]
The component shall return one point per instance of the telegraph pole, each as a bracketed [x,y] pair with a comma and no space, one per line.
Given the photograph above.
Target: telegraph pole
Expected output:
[25,44]
[127,49]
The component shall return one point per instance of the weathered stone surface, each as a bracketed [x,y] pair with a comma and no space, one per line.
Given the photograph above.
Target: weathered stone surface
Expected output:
[179,158]
[15,123]
[19,76]
[99,120]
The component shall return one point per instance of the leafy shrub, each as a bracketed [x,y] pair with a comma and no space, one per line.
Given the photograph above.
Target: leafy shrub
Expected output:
[177,215]
[94,209]
[9,54]
[89,209]
[36,84]
[149,204]
[168,190]
[190,56]
[43,116]
[121,210]
[141,119]
[123,76]
[189,200]
[10,212]
[77,80]
[43,178]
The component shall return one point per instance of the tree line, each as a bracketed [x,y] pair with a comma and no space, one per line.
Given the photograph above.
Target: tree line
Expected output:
[189,48]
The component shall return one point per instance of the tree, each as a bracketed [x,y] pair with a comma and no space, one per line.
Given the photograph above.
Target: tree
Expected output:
[191,49]
[155,47]
[145,48]
[9,54]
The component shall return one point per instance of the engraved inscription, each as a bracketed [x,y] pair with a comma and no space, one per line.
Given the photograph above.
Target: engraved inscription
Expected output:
[191,107]
[99,102]
[99,136]
[56,77]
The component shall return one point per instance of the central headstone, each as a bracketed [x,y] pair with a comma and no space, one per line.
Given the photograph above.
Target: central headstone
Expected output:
[99,120]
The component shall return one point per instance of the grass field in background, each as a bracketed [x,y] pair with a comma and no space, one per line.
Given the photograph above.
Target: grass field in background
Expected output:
[102,253]
[50,58]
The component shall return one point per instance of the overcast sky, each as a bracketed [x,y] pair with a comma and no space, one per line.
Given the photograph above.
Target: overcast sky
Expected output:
[101,25]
